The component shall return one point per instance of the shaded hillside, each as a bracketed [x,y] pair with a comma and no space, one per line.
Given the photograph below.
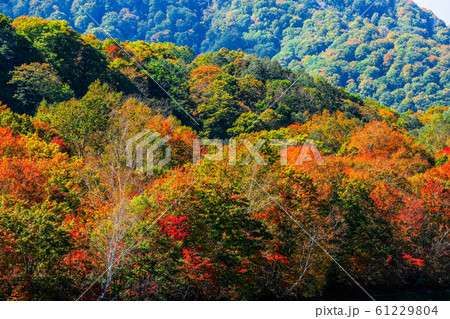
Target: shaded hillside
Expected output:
[221,94]
[392,51]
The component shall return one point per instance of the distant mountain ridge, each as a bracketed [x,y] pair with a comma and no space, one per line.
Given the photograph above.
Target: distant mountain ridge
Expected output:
[392,51]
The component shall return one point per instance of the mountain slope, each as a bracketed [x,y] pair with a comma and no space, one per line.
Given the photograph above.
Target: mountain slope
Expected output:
[71,205]
[221,94]
[391,50]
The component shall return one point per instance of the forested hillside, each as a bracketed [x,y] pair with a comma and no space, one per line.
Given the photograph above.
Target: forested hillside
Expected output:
[77,222]
[220,94]
[392,51]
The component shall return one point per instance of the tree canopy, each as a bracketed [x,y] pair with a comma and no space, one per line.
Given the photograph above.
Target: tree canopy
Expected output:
[392,51]
[365,183]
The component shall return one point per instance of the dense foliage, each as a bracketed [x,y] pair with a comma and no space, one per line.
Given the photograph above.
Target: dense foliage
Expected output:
[391,51]
[220,94]
[77,222]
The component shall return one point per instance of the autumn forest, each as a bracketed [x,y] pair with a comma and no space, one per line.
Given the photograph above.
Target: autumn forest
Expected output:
[364,215]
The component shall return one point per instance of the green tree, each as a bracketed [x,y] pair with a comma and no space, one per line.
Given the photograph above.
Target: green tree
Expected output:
[83,123]
[36,82]
[436,135]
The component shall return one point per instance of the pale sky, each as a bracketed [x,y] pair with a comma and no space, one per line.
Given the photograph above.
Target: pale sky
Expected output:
[441,8]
